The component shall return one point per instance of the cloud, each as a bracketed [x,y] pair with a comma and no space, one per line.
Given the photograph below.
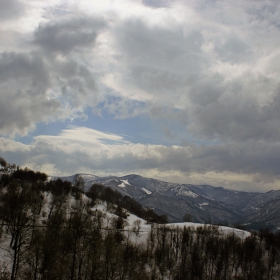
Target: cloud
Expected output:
[81,149]
[14,66]
[203,72]
[234,116]
[157,46]
[11,9]
[46,83]
[85,135]
[24,80]
[123,108]
[68,35]
[213,74]
[157,64]
[234,50]
[33,89]
[156,3]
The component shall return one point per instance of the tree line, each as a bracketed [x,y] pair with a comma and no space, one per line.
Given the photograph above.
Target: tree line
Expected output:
[71,241]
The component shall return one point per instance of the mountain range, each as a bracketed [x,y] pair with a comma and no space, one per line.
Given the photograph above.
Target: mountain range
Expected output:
[200,203]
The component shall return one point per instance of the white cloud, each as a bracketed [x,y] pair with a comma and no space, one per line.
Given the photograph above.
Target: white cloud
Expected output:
[48,80]
[80,149]
[212,66]
[84,135]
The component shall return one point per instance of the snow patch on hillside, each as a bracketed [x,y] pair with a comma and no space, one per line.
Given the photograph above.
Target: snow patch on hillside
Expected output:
[123,184]
[146,191]
[203,204]
[180,190]
[223,230]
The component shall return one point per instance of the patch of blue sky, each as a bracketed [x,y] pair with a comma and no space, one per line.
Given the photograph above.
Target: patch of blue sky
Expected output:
[136,130]
[141,129]
[50,129]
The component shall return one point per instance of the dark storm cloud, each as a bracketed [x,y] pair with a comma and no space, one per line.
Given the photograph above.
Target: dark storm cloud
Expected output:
[10,9]
[65,36]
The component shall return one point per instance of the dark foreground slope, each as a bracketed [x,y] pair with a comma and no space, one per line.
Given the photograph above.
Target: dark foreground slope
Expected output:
[51,230]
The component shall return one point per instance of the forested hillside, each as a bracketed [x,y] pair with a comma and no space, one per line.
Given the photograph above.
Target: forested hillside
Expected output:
[202,203]
[54,230]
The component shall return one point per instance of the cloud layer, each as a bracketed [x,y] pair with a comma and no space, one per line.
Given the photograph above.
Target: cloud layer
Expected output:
[207,73]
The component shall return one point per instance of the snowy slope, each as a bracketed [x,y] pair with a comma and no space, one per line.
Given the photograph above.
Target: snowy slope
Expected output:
[203,202]
[145,227]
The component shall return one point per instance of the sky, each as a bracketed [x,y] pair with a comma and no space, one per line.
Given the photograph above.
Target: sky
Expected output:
[180,91]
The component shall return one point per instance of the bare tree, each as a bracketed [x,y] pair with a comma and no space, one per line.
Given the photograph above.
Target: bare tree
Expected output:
[20,206]
[136,227]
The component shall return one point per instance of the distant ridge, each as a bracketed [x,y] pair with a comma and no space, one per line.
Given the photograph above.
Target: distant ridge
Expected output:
[204,203]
